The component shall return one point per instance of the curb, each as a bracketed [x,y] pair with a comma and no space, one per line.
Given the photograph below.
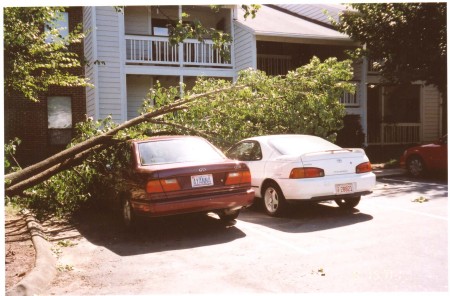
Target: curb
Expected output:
[44,270]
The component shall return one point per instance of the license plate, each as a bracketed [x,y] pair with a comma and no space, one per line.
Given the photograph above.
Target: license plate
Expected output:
[344,188]
[202,180]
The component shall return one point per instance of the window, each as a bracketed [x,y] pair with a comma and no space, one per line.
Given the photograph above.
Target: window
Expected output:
[246,151]
[61,23]
[59,111]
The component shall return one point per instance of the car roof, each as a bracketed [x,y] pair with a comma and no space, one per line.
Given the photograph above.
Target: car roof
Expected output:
[269,137]
[162,138]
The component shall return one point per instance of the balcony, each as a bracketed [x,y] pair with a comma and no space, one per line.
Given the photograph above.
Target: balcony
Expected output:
[274,64]
[158,51]
[352,100]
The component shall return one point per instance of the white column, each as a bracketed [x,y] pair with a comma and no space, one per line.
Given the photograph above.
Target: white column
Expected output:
[123,76]
[232,11]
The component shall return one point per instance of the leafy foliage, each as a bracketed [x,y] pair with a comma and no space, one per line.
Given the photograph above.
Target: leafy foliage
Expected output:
[304,101]
[410,39]
[32,61]
[10,149]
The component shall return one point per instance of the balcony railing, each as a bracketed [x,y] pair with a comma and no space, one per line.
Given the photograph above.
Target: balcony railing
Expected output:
[352,100]
[274,64]
[158,50]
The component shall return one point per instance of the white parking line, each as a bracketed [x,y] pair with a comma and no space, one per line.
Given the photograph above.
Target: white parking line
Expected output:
[384,205]
[251,228]
[414,182]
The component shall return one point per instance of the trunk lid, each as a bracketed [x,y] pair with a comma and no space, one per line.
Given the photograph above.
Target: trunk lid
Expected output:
[335,162]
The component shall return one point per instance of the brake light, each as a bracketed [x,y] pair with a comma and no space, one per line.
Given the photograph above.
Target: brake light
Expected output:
[236,178]
[165,185]
[301,173]
[364,167]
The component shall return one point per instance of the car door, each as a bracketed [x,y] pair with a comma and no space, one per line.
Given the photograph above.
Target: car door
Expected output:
[250,152]
[440,159]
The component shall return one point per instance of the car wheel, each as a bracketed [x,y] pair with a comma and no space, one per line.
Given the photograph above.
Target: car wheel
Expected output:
[228,215]
[128,217]
[348,203]
[274,201]
[415,166]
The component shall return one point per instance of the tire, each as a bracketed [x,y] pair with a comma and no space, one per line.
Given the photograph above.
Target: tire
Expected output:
[273,200]
[128,216]
[348,203]
[415,166]
[228,215]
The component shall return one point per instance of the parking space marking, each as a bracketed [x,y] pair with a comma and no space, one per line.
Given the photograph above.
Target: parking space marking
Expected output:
[385,205]
[414,182]
[273,238]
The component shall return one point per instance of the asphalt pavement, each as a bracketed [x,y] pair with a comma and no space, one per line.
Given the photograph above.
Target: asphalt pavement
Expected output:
[35,282]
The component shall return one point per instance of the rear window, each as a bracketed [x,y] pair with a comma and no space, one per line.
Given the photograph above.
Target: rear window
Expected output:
[297,145]
[177,150]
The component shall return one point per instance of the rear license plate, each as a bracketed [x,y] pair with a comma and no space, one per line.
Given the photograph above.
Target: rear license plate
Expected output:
[344,188]
[202,180]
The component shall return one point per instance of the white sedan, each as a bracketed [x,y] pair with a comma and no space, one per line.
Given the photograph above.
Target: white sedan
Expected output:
[289,168]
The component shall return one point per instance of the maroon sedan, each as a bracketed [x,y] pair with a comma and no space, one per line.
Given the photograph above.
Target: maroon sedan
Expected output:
[425,158]
[183,174]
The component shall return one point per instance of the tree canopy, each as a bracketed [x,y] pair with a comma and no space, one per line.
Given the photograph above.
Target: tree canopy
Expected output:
[410,39]
[36,55]
[305,101]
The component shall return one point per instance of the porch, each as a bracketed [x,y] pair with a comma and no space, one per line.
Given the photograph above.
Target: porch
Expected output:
[393,134]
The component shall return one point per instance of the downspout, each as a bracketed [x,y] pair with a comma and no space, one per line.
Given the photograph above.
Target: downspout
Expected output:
[364,99]
[123,75]
[233,16]
[180,53]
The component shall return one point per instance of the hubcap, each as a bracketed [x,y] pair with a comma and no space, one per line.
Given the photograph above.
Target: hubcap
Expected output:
[271,200]
[415,167]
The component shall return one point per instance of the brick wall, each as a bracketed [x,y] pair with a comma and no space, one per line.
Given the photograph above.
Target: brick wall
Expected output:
[27,120]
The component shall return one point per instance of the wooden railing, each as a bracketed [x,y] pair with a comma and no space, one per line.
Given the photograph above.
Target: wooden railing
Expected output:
[158,50]
[352,100]
[274,64]
[398,133]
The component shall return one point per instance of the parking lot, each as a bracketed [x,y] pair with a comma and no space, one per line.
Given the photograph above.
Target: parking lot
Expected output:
[395,241]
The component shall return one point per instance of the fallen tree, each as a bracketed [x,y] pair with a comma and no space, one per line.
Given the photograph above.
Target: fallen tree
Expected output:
[21,180]
[90,171]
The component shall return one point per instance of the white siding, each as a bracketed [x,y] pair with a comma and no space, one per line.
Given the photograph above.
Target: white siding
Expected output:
[431,113]
[109,75]
[244,49]
[137,20]
[91,55]
[137,89]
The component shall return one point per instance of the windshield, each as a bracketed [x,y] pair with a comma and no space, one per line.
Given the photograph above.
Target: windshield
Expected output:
[177,150]
[297,145]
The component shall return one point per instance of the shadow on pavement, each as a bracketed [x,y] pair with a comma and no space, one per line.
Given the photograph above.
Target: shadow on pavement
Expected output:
[306,217]
[155,235]
[401,186]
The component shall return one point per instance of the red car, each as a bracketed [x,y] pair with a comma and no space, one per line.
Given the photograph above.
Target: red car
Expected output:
[183,174]
[425,158]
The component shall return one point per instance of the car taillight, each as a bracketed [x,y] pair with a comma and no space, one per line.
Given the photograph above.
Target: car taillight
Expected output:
[300,173]
[364,167]
[165,185]
[240,177]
